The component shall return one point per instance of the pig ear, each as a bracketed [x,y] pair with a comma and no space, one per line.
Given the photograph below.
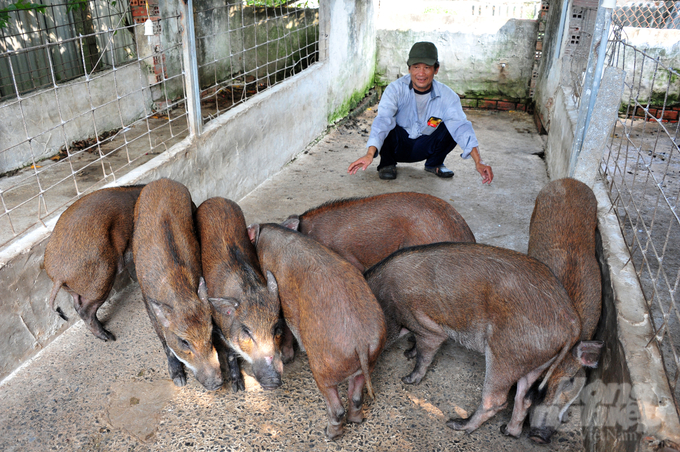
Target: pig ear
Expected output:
[202,290]
[292,222]
[254,233]
[225,306]
[271,283]
[161,310]
[588,352]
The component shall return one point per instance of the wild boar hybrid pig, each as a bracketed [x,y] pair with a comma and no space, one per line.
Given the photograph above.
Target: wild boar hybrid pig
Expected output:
[366,230]
[493,300]
[90,244]
[562,236]
[330,310]
[246,306]
[168,261]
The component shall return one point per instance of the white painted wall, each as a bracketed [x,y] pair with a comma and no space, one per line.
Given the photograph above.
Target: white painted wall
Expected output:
[477,54]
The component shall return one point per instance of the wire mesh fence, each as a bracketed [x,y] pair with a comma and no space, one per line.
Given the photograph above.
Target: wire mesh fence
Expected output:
[30,32]
[641,168]
[519,9]
[259,46]
[78,110]
[582,21]
[648,14]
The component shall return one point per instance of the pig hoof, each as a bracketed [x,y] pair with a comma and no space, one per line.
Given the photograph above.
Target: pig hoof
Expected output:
[287,354]
[106,336]
[334,432]
[355,418]
[411,379]
[540,435]
[457,423]
[506,432]
[411,353]
[179,380]
[61,313]
[238,385]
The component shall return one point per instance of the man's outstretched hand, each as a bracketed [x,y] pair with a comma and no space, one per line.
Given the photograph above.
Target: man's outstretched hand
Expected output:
[486,172]
[363,162]
[360,164]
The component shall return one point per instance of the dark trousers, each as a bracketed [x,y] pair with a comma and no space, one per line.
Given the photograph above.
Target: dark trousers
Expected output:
[433,148]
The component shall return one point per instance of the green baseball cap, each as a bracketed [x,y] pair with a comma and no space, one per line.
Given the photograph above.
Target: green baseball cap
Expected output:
[423,52]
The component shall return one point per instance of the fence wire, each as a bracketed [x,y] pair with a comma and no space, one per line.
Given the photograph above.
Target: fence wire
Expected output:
[78,110]
[641,168]
[648,14]
[258,47]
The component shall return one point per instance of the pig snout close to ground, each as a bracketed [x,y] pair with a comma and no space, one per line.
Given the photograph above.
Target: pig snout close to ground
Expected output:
[367,230]
[168,262]
[493,300]
[246,306]
[562,236]
[331,311]
[90,244]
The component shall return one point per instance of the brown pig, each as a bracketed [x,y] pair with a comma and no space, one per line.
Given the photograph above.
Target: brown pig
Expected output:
[330,310]
[562,236]
[493,300]
[90,244]
[246,306]
[168,262]
[366,230]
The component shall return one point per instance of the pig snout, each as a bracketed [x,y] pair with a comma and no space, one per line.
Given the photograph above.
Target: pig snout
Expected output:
[541,435]
[268,371]
[209,374]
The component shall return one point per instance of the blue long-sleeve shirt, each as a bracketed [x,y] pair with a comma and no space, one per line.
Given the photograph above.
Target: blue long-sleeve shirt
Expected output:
[398,107]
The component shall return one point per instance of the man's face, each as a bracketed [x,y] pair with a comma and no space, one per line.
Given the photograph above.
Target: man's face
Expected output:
[422,75]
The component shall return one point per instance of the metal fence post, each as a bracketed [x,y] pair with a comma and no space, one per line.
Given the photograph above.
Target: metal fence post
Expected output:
[190,67]
[598,48]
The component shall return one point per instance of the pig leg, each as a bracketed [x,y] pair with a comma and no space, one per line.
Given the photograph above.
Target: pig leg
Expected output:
[522,403]
[494,397]
[411,352]
[87,310]
[355,393]
[228,361]
[287,350]
[235,371]
[175,366]
[336,412]
[429,337]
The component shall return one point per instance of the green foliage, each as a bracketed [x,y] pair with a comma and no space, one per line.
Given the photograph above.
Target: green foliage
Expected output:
[76,5]
[270,3]
[19,5]
[71,5]
[265,2]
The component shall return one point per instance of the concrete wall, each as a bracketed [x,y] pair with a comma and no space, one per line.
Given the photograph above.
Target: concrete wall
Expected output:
[222,55]
[662,44]
[480,57]
[80,104]
[236,152]
[548,86]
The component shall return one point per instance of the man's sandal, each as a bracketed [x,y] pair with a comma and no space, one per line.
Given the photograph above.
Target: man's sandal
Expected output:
[388,172]
[440,171]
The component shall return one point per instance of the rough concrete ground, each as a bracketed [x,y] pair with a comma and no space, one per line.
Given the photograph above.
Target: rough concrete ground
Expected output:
[84,394]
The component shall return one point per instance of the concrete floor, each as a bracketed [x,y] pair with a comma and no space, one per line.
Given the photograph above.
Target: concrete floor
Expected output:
[84,394]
